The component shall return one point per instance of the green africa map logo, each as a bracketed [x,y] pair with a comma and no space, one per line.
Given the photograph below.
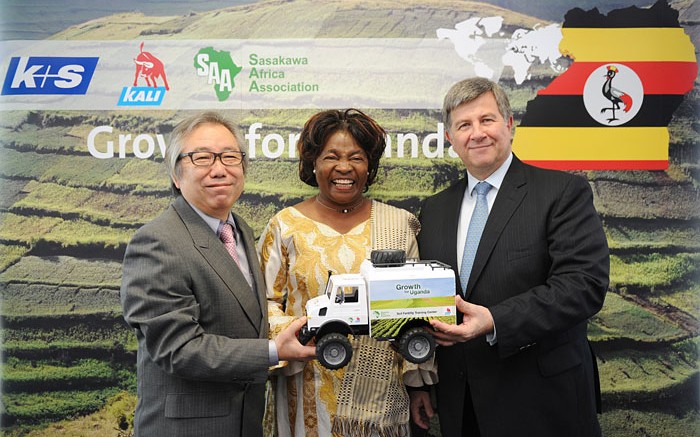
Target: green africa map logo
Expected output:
[219,69]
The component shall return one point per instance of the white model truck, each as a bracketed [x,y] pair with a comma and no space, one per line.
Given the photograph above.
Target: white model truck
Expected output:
[390,299]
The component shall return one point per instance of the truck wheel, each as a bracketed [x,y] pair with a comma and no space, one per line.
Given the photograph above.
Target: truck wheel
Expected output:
[417,345]
[334,351]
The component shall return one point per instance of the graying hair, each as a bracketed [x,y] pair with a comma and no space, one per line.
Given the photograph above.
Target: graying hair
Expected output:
[470,89]
[185,128]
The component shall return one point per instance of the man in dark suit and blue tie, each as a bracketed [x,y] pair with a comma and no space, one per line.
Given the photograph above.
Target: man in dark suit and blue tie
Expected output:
[532,273]
[193,291]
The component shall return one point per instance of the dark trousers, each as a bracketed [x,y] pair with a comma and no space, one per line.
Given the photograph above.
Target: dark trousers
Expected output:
[470,426]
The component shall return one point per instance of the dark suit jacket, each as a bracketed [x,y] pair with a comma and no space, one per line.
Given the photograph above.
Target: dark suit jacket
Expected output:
[542,270]
[202,331]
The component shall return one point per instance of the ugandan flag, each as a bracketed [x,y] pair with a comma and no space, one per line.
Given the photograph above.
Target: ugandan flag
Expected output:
[611,108]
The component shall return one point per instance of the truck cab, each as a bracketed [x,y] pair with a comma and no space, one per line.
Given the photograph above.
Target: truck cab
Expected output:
[345,300]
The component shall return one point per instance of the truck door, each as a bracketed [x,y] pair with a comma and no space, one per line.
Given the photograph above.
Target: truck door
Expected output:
[348,305]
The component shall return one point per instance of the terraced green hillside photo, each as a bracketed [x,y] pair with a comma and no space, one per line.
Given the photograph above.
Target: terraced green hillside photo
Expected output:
[68,358]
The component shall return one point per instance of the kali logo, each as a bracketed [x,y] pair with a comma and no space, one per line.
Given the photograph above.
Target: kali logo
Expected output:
[48,75]
[149,68]
[141,96]
[613,94]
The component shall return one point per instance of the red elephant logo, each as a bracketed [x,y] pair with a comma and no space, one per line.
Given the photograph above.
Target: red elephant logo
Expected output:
[150,68]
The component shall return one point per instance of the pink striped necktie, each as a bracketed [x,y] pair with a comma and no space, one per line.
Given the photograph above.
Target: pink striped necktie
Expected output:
[229,241]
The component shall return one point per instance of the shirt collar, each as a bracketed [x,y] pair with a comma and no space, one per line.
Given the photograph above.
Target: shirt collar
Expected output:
[495,179]
[213,222]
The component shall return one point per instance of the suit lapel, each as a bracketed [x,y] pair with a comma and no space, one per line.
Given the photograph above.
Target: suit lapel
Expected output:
[207,243]
[450,213]
[511,194]
[259,289]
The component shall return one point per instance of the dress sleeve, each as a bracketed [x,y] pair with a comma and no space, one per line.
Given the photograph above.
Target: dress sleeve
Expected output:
[412,231]
[274,263]
[394,228]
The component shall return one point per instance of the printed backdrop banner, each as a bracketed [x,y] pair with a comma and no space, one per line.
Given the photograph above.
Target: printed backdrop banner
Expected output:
[85,116]
[583,120]
[231,74]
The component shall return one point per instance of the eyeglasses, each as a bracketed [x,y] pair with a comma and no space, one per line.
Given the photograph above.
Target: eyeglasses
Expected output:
[206,159]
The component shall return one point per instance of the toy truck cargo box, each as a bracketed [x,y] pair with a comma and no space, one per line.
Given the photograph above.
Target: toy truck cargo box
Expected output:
[420,290]
[390,299]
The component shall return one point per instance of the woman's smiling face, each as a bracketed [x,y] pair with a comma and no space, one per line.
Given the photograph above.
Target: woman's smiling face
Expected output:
[341,170]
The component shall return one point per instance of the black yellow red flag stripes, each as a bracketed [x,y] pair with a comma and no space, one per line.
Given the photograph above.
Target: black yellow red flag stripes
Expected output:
[611,108]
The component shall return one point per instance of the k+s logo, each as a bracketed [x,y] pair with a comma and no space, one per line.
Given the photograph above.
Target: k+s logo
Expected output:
[49,75]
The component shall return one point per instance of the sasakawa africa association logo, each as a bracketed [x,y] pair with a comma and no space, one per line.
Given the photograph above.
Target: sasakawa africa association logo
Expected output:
[219,69]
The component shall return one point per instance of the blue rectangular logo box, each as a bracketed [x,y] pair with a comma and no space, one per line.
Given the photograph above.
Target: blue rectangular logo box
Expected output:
[141,96]
[49,75]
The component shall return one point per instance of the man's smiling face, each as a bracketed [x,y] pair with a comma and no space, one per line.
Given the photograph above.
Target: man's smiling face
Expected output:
[213,189]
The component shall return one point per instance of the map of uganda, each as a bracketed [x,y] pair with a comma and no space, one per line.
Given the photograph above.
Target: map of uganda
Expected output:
[611,108]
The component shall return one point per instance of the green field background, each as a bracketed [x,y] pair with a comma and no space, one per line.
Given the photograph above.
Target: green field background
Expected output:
[68,359]
[390,328]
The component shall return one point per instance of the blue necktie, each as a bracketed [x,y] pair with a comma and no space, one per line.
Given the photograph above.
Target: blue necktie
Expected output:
[476,227]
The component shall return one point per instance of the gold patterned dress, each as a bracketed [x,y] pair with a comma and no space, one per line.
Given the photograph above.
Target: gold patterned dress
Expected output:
[368,396]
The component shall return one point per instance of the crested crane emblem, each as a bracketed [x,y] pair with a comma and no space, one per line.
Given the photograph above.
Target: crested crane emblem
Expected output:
[619,98]
[613,94]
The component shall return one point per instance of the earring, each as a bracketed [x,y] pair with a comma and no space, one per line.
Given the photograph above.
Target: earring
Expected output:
[314,171]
